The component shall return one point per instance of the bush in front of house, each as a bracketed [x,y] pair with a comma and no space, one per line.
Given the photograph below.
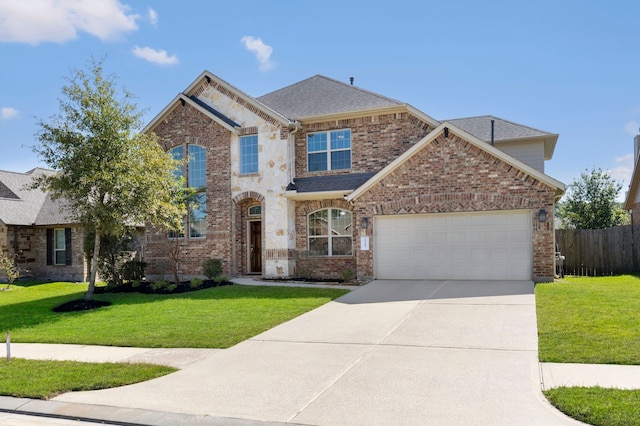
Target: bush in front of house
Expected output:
[212,268]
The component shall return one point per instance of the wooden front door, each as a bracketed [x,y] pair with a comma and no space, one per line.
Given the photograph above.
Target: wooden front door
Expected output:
[255,247]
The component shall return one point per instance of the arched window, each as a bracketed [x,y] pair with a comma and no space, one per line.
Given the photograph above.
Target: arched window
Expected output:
[330,233]
[195,177]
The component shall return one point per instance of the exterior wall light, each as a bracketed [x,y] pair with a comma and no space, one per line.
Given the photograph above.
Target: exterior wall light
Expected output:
[542,215]
[364,224]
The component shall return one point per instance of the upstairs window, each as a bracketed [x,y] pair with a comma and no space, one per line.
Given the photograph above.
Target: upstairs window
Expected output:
[329,150]
[196,177]
[248,154]
[330,233]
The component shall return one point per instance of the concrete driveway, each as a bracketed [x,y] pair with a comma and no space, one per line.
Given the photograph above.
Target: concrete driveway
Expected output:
[390,352]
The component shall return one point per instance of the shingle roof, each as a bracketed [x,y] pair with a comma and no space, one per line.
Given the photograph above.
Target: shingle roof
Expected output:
[320,95]
[480,127]
[28,206]
[344,182]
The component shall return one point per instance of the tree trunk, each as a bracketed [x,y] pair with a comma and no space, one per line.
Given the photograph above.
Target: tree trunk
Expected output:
[94,267]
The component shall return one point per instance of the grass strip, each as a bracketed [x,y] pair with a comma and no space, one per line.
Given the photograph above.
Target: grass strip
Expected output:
[23,378]
[598,406]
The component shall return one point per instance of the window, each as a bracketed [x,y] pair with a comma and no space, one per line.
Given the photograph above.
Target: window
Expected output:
[255,210]
[329,150]
[329,233]
[59,246]
[248,154]
[196,177]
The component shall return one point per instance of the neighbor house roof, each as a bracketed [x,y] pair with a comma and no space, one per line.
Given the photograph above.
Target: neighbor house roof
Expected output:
[505,131]
[20,205]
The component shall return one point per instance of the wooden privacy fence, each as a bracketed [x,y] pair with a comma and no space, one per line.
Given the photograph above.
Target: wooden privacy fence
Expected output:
[593,252]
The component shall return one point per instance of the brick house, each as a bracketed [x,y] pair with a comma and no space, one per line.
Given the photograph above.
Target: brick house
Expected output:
[34,230]
[322,176]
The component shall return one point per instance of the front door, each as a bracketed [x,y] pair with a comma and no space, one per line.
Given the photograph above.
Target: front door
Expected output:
[255,247]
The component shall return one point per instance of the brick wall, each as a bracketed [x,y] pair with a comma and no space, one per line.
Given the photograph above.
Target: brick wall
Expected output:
[186,125]
[453,175]
[29,247]
[375,140]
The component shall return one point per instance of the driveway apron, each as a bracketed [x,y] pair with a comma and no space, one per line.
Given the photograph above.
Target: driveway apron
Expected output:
[390,352]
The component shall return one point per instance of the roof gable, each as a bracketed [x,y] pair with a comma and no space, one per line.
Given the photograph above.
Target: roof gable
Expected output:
[206,82]
[449,127]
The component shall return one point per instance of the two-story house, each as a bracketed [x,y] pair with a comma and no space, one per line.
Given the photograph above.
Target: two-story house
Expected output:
[322,176]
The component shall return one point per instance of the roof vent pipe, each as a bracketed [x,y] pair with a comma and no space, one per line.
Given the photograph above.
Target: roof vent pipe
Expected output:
[492,128]
[351,80]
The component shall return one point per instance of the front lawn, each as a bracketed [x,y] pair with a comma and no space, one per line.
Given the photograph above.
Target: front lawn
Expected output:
[218,317]
[591,320]
[23,378]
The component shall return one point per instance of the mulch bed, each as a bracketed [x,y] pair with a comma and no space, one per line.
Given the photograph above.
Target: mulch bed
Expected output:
[145,287]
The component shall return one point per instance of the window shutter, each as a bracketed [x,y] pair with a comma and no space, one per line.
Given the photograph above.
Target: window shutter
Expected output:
[67,245]
[49,246]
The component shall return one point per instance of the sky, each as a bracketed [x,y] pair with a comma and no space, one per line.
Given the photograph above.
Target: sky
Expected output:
[570,67]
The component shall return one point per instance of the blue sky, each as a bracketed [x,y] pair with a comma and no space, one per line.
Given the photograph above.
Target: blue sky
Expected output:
[564,66]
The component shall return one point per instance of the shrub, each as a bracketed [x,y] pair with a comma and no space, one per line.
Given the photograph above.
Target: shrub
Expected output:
[160,285]
[221,279]
[347,275]
[195,283]
[9,268]
[135,283]
[212,268]
[133,270]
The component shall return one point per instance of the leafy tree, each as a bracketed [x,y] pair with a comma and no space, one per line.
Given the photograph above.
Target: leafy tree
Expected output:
[591,202]
[110,175]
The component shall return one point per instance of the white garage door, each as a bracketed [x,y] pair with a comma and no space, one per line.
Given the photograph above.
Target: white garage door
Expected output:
[465,246]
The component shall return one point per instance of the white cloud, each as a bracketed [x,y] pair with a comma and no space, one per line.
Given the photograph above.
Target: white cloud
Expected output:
[7,113]
[622,173]
[153,17]
[37,21]
[156,56]
[632,128]
[262,51]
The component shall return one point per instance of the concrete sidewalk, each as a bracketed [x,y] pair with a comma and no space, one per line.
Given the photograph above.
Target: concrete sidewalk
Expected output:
[401,352]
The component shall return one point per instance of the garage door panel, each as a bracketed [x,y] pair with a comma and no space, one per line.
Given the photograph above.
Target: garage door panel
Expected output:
[454,246]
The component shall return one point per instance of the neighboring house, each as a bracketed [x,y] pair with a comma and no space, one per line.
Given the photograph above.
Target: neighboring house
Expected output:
[632,201]
[321,177]
[37,233]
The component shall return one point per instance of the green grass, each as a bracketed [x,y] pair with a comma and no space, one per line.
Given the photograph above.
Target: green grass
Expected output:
[45,379]
[214,318]
[598,406]
[591,320]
